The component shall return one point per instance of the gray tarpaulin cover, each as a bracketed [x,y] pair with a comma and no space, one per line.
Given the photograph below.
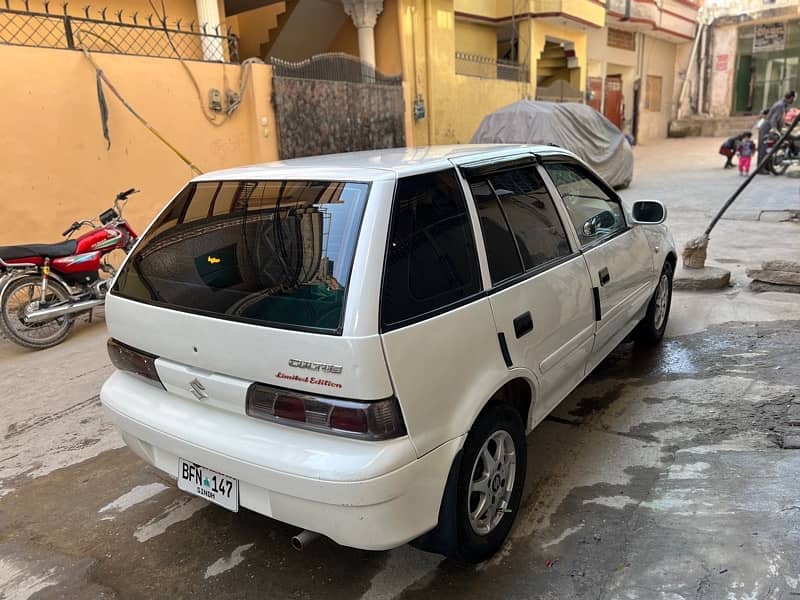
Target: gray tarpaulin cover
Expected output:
[575,127]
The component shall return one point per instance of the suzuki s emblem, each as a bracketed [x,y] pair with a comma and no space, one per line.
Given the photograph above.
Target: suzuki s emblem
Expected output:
[213,260]
[198,389]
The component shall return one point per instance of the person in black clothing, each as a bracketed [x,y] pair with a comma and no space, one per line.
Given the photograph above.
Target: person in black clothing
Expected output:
[773,122]
[729,148]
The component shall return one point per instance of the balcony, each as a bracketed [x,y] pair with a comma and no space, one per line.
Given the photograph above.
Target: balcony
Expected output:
[486,67]
[674,20]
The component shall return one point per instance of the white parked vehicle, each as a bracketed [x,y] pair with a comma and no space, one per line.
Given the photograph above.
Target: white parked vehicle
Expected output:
[357,344]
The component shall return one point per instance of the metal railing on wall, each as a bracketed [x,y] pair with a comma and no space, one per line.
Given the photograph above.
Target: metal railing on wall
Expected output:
[475,65]
[116,33]
[334,66]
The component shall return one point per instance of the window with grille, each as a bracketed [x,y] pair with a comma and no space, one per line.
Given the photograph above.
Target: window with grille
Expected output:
[618,38]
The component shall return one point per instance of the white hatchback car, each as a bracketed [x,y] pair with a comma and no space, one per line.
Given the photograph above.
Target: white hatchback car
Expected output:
[357,344]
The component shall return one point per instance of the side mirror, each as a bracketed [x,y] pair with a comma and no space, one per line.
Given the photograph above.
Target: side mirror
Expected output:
[603,220]
[649,212]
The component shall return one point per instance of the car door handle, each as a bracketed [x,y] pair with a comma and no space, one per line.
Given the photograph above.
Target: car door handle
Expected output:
[604,276]
[523,324]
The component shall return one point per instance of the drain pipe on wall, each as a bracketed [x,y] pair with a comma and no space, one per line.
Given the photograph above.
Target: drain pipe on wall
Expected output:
[428,79]
[690,64]
[701,84]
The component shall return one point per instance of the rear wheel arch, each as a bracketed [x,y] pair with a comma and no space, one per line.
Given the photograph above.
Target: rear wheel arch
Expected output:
[519,393]
[672,259]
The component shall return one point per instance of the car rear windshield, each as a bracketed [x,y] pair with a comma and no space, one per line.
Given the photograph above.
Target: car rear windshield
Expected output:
[275,253]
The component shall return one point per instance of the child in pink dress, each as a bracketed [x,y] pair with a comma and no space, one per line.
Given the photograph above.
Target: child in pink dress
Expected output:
[746,150]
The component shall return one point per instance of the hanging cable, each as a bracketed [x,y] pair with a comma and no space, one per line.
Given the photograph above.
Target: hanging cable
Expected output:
[244,74]
[101,99]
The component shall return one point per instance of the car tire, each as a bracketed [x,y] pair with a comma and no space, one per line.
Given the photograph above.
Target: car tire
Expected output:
[651,329]
[494,453]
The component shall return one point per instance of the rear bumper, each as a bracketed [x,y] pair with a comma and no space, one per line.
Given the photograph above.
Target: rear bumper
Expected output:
[370,495]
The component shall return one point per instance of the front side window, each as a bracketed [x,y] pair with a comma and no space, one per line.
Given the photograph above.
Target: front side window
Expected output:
[595,214]
[276,253]
[431,260]
[521,228]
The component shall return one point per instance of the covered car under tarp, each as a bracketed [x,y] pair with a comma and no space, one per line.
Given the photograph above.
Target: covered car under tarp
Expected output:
[573,126]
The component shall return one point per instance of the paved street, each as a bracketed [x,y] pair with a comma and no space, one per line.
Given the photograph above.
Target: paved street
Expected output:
[661,477]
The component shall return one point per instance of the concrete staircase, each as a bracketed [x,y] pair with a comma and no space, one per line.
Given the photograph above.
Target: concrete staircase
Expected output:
[552,65]
[280,23]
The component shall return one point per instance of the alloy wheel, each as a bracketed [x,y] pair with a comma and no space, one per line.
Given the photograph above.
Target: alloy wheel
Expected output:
[492,482]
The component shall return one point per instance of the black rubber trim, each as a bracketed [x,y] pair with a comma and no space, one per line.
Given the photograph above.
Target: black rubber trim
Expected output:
[497,165]
[598,310]
[443,539]
[501,337]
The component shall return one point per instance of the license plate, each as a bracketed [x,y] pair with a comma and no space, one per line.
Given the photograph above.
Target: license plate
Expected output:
[214,487]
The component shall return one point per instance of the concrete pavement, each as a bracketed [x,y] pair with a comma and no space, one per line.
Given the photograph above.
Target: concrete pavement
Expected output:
[661,476]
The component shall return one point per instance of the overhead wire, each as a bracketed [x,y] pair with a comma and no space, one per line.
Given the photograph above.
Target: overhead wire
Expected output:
[215,119]
[102,77]
[244,78]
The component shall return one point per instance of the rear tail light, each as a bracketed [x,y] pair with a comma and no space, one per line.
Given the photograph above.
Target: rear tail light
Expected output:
[131,360]
[373,420]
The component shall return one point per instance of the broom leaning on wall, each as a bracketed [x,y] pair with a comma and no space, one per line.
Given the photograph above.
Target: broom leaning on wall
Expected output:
[695,250]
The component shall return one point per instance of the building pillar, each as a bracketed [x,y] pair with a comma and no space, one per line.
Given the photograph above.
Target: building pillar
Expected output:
[208,16]
[364,14]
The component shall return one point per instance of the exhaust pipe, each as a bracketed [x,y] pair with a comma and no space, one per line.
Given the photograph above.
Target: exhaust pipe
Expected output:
[46,314]
[303,539]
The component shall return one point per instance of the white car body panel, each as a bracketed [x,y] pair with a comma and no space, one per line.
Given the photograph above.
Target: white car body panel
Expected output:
[366,494]
[560,302]
[439,385]
[252,352]
[443,369]
[629,261]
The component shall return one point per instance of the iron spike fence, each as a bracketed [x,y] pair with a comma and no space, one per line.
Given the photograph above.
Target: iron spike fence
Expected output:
[114,35]
[486,67]
[334,66]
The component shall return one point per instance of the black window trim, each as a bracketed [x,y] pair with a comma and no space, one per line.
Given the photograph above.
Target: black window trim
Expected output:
[338,332]
[491,169]
[598,181]
[497,165]
[480,294]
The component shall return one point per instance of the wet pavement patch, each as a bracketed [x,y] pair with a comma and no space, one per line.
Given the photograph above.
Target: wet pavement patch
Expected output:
[649,480]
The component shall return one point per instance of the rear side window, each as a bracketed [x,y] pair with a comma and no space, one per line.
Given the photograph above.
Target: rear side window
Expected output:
[431,260]
[275,253]
[521,228]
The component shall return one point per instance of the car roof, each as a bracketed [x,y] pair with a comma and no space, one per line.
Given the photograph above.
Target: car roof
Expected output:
[371,165]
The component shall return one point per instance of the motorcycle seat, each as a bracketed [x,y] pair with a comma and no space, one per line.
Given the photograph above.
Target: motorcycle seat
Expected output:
[30,250]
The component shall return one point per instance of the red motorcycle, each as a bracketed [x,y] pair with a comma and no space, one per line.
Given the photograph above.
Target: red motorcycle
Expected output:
[43,287]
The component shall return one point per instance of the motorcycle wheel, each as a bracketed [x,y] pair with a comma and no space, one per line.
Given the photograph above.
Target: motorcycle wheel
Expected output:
[779,162]
[23,295]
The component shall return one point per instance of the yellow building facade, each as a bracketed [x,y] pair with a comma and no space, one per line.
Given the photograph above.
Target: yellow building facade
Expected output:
[458,60]
[466,58]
